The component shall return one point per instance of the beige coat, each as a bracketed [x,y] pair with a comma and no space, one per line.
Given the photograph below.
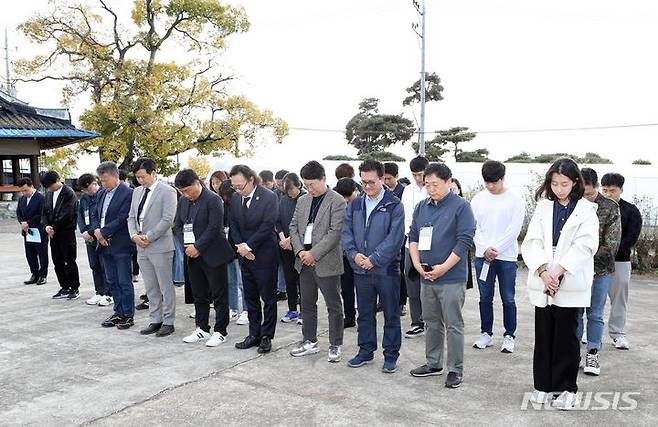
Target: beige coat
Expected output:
[575,251]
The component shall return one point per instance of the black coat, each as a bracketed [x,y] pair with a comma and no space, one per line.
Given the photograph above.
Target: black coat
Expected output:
[64,216]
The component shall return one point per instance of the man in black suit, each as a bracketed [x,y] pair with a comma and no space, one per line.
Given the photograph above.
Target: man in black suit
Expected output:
[253,213]
[28,214]
[199,223]
[59,217]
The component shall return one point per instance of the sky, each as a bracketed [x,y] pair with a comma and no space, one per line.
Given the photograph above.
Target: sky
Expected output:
[505,65]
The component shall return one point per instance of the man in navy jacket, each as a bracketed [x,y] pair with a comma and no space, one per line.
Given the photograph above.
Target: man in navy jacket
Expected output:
[110,221]
[28,214]
[253,213]
[373,234]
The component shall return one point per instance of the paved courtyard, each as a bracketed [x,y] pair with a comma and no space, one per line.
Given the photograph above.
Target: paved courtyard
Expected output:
[58,366]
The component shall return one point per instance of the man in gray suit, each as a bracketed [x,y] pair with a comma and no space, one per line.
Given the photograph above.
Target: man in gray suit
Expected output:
[315,232]
[151,217]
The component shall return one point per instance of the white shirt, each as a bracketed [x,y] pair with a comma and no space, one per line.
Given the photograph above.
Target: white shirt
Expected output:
[412,195]
[146,202]
[251,197]
[27,200]
[499,219]
[56,195]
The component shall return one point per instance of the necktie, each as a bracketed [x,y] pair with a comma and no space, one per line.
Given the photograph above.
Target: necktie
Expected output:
[141,205]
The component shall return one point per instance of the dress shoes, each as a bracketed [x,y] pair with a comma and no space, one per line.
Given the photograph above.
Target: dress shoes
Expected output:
[248,343]
[265,345]
[32,280]
[165,330]
[151,329]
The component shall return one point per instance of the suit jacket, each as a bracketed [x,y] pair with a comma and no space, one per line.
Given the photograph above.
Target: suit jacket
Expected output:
[158,218]
[325,240]
[116,220]
[207,217]
[64,216]
[255,227]
[32,213]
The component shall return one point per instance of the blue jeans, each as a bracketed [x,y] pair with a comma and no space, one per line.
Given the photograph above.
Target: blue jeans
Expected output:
[594,313]
[118,273]
[178,270]
[235,282]
[368,287]
[505,271]
[281,280]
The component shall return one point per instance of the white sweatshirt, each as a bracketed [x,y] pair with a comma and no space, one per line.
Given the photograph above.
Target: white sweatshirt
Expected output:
[499,220]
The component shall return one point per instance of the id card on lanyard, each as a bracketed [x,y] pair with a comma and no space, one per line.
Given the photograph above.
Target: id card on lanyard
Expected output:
[188,234]
[308,235]
[87,222]
[425,239]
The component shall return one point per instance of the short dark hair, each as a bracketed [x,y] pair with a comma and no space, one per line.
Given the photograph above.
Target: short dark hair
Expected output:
[439,170]
[590,177]
[85,180]
[372,166]
[291,180]
[391,168]
[145,163]
[404,180]
[226,191]
[344,170]
[185,178]
[459,186]
[418,164]
[312,170]
[493,171]
[24,181]
[280,174]
[345,187]
[123,174]
[245,171]
[613,179]
[49,178]
[567,167]
[266,176]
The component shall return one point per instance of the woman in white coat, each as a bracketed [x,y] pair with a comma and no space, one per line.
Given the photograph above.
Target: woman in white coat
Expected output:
[558,249]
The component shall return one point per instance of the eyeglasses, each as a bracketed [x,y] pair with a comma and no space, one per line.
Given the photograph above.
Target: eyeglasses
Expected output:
[369,183]
[239,188]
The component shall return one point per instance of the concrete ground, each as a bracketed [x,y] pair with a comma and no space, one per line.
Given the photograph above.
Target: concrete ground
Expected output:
[58,366]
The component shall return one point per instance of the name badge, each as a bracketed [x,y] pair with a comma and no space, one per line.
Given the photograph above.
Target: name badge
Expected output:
[188,234]
[86,216]
[308,236]
[485,271]
[425,239]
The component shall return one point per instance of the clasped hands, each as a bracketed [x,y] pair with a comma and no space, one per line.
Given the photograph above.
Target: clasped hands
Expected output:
[244,251]
[437,271]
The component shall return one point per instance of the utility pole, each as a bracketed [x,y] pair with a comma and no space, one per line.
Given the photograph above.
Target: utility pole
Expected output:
[421,133]
[8,81]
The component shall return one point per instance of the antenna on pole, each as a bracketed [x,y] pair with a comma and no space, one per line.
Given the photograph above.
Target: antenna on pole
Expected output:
[420,8]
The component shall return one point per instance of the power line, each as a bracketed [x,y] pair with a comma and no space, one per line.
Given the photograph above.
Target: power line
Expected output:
[499,131]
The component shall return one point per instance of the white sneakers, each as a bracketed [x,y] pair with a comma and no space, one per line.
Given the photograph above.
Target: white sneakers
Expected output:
[94,300]
[484,341]
[304,348]
[620,343]
[196,336]
[101,300]
[566,401]
[215,340]
[334,354]
[233,315]
[540,397]
[508,344]
[243,319]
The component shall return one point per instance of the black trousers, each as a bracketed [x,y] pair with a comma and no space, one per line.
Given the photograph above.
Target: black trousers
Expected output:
[347,290]
[292,278]
[259,284]
[64,252]
[557,349]
[37,257]
[209,283]
[403,280]
[135,264]
[97,271]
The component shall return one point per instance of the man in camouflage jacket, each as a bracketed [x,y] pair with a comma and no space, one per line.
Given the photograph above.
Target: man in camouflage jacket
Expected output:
[604,267]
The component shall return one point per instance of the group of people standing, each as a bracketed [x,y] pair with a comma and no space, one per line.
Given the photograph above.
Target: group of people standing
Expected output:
[377,240]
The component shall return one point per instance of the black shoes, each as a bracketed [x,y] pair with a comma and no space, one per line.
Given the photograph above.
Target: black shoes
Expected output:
[281,296]
[41,281]
[165,330]
[265,345]
[425,371]
[73,294]
[349,323]
[143,297]
[248,342]
[125,323]
[32,280]
[454,380]
[142,306]
[111,321]
[151,329]
[62,293]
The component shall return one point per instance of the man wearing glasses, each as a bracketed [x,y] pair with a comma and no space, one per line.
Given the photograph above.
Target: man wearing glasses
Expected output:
[373,233]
